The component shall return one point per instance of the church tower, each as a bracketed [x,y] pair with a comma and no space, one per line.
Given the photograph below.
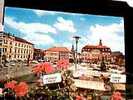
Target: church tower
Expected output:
[100,42]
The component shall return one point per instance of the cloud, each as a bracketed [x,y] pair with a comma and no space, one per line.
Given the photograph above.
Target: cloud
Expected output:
[42,13]
[29,27]
[32,31]
[64,44]
[65,25]
[68,45]
[40,39]
[112,35]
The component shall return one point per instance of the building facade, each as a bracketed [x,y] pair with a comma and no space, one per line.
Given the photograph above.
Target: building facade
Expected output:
[118,58]
[38,54]
[95,53]
[15,48]
[56,53]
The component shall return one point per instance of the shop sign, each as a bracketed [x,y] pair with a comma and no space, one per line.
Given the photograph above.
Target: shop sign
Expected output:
[117,78]
[51,78]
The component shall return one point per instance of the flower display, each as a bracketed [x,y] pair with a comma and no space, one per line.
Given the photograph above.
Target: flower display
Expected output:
[39,82]
[21,89]
[10,84]
[1,91]
[79,98]
[43,67]
[63,64]
[37,68]
[116,96]
[48,68]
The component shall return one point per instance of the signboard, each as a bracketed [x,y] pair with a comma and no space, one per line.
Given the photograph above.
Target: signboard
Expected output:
[95,85]
[118,78]
[51,78]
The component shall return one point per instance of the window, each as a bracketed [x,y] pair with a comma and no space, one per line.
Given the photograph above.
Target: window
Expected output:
[10,43]
[1,42]
[5,49]
[0,51]
[10,56]
[18,50]
[5,41]
[15,50]
[10,50]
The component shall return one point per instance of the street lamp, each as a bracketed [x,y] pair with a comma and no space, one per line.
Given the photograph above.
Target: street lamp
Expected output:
[76,41]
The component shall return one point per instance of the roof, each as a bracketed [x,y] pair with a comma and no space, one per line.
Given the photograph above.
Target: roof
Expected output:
[99,46]
[38,49]
[96,47]
[17,38]
[22,40]
[58,49]
[117,53]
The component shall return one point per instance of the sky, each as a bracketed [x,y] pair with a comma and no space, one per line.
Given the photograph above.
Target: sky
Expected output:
[1,14]
[46,29]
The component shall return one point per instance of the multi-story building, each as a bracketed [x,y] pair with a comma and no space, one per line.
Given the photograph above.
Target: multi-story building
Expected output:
[15,48]
[55,53]
[38,54]
[118,58]
[95,53]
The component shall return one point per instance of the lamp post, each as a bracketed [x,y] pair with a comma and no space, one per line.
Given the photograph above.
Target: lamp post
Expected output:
[76,41]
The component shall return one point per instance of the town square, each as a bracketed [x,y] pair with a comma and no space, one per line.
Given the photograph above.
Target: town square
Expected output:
[53,55]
